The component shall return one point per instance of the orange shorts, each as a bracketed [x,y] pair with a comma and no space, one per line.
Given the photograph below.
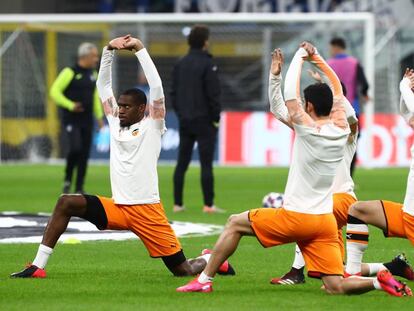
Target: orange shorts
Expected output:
[316,235]
[399,224]
[342,203]
[147,221]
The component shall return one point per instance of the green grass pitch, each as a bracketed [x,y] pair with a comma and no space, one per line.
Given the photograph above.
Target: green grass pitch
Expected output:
[121,276]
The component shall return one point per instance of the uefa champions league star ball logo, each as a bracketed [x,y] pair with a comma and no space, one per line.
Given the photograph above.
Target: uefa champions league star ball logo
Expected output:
[273,200]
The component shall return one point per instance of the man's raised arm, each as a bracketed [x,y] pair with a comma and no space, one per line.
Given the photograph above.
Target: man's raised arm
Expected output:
[156,100]
[407,94]
[292,90]
[104,82]
[277,103]
[342,110]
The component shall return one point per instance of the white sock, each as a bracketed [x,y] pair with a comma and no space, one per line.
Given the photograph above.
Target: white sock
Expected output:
[355,252]
[42,256]
[299,261]
[377,284]
[356,244]
[206,257]
[204,278]
[375,267]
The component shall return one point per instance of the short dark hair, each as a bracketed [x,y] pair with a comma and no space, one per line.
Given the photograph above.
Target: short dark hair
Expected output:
[320,96]
[138,96]
[339,42]
[198,36]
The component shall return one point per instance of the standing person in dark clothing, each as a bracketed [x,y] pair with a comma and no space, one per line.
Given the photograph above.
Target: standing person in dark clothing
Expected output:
[74,90]
[195,98]
[352,75]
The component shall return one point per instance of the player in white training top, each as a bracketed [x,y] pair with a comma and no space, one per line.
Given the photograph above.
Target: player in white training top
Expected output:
[343,185]
[306,218]
[395,219]
[135,147]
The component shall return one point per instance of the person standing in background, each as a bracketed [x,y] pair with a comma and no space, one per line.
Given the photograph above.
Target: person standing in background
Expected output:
[74,91]
[195,97]
[352,75]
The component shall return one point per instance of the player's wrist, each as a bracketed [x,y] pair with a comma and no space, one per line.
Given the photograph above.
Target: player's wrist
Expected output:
[276,76]
[138,45]
[301,52]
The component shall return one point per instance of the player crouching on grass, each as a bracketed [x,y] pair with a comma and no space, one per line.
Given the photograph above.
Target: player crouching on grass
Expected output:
[394,219]
[135,147]
[306,217]
[343,185]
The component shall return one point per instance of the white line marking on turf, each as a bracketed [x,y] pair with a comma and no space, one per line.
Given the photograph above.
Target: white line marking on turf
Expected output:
[83,230]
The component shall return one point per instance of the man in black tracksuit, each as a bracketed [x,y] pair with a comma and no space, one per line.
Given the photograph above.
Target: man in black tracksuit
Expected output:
[74,91]
[195,98]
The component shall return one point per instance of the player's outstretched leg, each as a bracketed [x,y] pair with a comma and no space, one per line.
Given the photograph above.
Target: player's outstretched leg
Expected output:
[236,227]
[391,285]
[225,268]
[359,285]
[180,266]
[399,265]
[295,275]
[360,215]
[66,207]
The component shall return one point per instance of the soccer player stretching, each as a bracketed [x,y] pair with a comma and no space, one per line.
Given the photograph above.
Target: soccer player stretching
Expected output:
[395,219]
[306,218]
[343,185]
[135,147]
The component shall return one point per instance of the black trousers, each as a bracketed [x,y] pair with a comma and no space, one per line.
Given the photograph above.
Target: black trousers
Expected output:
[79,141]
[205,134]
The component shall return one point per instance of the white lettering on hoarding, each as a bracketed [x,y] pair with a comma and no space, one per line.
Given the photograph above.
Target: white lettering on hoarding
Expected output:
[265,142]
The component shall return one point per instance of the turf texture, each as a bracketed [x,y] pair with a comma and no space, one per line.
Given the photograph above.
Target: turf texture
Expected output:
[121,276]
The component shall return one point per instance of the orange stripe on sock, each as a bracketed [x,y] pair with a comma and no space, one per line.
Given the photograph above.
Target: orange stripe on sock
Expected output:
[356,232]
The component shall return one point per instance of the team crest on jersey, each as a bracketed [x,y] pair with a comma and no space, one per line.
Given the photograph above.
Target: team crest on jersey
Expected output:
[135,132]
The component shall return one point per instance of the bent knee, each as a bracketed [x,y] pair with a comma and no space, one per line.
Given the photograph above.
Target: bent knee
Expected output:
[357,209]
[233,220]
[64,200]
[64,203]
[364,209]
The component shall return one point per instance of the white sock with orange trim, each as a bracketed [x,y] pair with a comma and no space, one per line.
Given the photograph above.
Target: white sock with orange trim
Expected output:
[356,243]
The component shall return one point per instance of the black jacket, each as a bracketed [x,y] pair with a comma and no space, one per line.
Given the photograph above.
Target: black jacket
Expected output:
[195,90]
[81,89]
